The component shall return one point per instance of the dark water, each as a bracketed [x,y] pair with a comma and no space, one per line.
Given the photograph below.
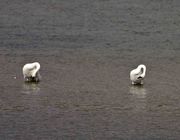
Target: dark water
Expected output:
[86,49]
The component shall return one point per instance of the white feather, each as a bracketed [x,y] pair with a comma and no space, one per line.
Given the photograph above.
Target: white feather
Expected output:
[31,71]
[137,75]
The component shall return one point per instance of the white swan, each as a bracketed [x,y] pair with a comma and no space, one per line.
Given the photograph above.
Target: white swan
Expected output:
[137,75]
[31,72]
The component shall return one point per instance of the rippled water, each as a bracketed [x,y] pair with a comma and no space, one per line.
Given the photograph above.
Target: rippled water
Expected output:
[86,50]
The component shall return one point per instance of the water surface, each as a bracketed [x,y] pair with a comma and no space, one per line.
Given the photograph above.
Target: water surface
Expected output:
[86,50]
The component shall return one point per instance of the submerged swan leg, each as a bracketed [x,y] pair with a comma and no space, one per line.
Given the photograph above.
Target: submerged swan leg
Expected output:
[27,79]
[133,83]
[36,79]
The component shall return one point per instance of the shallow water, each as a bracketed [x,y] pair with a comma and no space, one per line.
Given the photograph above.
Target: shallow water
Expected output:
[86,50]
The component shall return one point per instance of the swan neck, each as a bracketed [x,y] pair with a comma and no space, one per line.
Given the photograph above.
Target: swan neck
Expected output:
[143,71]
[37,67]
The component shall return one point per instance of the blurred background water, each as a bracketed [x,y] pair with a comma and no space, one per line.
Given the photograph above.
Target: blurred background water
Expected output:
[86,49]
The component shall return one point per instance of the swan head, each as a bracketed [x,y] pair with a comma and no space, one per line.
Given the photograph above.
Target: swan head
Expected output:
[137,75]
[31,72]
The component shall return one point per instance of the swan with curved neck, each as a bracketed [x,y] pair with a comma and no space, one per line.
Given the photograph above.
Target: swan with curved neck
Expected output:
[137,75]
[31,72]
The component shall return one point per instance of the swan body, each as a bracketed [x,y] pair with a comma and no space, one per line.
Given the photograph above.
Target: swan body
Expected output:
[31,72]
[137,75]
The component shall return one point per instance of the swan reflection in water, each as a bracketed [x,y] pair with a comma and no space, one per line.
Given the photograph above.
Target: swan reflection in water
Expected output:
[138,91]
[30,88]
[138,98]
